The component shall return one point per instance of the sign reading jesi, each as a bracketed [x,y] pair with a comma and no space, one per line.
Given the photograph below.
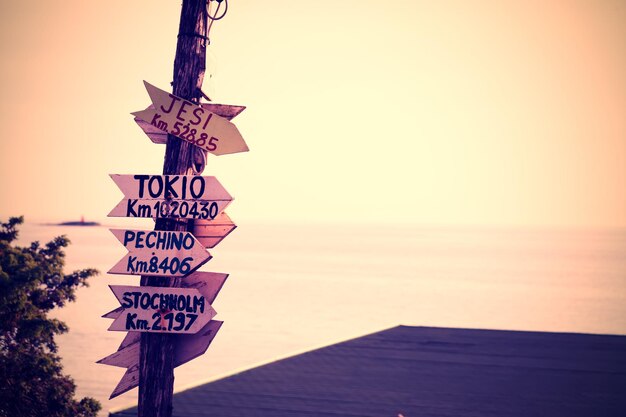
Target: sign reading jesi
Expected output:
[191,122]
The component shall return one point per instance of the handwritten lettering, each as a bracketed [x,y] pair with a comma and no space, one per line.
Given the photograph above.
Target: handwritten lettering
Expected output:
[165,209]
[168,186]
[155,265]
[180,121]
[163,301]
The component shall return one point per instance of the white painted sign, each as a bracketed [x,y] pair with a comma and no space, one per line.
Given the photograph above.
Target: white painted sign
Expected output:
[208,283]
[211,232]
[161,309]
[192,123]
[158,136]
[186,348]
[170,196]
[129,380]
[159,253]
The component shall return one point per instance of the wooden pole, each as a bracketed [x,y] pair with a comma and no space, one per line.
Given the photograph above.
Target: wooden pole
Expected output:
[156,367]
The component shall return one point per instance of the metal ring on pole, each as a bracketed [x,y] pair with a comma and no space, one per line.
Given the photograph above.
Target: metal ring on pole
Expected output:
[198,162]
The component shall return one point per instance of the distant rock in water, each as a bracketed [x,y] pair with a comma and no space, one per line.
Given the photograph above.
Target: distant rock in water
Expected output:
[82,222]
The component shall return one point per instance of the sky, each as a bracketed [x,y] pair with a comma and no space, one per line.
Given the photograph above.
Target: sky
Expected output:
[507,113]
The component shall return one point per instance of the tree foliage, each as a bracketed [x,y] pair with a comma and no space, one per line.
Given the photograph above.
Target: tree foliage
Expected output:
[32,282]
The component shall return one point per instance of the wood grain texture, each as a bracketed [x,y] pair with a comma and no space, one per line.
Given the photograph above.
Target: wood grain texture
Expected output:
[428,372]
[157,350]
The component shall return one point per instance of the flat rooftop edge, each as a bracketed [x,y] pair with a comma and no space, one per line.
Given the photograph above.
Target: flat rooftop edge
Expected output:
[426,371]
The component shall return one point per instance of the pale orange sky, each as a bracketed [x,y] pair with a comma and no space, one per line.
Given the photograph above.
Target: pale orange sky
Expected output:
[426,112]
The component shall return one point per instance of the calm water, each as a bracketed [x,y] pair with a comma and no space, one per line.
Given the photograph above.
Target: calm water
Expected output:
[293,288]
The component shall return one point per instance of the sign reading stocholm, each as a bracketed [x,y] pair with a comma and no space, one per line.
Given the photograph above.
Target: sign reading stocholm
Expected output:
[192,123]
[188,346]
[161,309]
[170,196]
[208,283]
[159,253]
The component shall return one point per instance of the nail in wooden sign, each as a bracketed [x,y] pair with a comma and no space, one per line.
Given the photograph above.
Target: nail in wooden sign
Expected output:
[170,196]
[192,123]
[186,348]
[161,309]
[159,253]
[158,136]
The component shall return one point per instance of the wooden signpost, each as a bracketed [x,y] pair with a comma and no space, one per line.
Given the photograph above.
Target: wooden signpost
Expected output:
[169,317]
[191,122]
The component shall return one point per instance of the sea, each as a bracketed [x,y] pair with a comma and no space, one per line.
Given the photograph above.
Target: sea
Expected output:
[297,287]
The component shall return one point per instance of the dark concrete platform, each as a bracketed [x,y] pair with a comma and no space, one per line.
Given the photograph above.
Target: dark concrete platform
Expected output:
[427,372]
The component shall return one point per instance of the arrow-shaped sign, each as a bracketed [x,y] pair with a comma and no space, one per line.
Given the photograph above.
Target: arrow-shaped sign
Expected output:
[211,232]
[170,196]
[129,381]
[158,136]
[186,348]
[192,123]
[159,253]
[161,309]
[208,283]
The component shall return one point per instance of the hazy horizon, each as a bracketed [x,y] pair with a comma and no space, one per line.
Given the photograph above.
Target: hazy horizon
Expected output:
[436,113]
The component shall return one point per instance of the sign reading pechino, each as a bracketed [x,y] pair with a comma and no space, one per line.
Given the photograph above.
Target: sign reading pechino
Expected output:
[161,309]
[159,253]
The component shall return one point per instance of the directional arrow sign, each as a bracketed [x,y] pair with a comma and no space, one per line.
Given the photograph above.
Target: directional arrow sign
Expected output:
[129,381]
[159,253]
[208,283]
[158,136]
[192,123]
[211,232]
[170,196]
[186,348]
[161,309]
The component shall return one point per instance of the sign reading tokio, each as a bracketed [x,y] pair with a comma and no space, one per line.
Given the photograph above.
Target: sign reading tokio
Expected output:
[159,253]
[161,309]
[170,196]
[192,123]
